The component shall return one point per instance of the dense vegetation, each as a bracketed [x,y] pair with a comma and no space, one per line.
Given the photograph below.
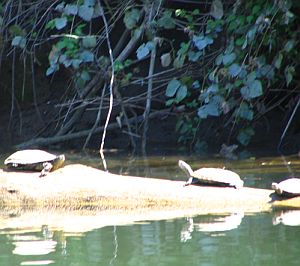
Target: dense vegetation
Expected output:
[222,64]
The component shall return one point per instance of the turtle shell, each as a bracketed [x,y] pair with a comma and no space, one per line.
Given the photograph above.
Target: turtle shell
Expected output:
[288,188]
[33,160]
[217,176]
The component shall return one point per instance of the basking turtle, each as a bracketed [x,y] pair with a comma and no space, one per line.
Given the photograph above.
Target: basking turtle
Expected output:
[288,188]
[211,176]
[34,160]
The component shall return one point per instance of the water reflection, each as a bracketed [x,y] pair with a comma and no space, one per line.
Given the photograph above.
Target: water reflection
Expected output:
[287,217]
[210,224]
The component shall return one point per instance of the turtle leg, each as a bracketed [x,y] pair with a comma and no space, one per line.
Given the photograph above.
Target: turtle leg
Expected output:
[189,182]
[47,168]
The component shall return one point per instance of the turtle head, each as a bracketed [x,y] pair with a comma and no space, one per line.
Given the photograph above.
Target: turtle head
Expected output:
[276,187]
[239,184]
[58,162]
[186,168]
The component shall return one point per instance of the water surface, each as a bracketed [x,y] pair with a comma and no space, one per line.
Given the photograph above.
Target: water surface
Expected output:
[228,239]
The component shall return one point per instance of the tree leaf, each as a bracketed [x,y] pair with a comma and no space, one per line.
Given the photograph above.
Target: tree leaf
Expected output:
[210,109]
[278,60]
[86,12]
[216,9]
[19,41]
[245,135]
[143,51]
[245,112]
[252,90]
[166,21]
[228,58]
[76,63]
[289,73]
[202,41]
[89,41]
[71,9]
[172,87]
[86,56]
[60,23]
[289,45]
[131,18]
[194,56]
[165,59]
[181,93]
[234,70]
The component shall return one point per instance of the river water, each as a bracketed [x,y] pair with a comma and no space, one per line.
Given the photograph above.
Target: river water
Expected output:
[228,239]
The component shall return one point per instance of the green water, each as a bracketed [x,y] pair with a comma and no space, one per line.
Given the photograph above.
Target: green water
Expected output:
[231,239]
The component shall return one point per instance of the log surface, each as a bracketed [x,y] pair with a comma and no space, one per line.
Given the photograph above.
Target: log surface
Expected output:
[78,186]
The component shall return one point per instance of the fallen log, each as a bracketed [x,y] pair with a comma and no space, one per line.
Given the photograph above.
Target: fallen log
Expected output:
[81,191]
[78,186]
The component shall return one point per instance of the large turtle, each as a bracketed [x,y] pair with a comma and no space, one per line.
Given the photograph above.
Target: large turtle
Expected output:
[35,160]
[287,188]
[211,176]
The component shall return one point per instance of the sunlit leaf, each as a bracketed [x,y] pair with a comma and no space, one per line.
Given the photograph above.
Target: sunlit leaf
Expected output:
[19,41]
[89,2]
[194,56]
[89,41]
[144,50]
[181,93]
[219,59]
[60,23]
[86,12]
[234,70]
[165,59]
[210,109]
[51,69]
[86,56]
[228,58]
[216,9]
[71,9]
[252,90]
[76,63]
[172,87]
[196,84]
[214,88]
[202,41]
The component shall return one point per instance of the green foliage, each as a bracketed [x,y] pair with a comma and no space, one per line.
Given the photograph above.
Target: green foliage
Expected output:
[259,54]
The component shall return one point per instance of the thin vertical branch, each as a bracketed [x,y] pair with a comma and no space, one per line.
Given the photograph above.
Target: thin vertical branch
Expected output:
[111,97]
[149,96]
[97,119]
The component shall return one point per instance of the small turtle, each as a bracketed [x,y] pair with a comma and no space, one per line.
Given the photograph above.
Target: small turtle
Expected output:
[211,176]
[34,160]
[288,188]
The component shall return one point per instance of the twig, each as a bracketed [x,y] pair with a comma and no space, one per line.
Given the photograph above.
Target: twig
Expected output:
[149,96]
[57,139]
[111,97]
[288,124]
[97,119]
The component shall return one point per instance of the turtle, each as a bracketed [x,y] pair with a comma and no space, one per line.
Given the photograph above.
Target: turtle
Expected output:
[287,188]
[34,160]
[211,176]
